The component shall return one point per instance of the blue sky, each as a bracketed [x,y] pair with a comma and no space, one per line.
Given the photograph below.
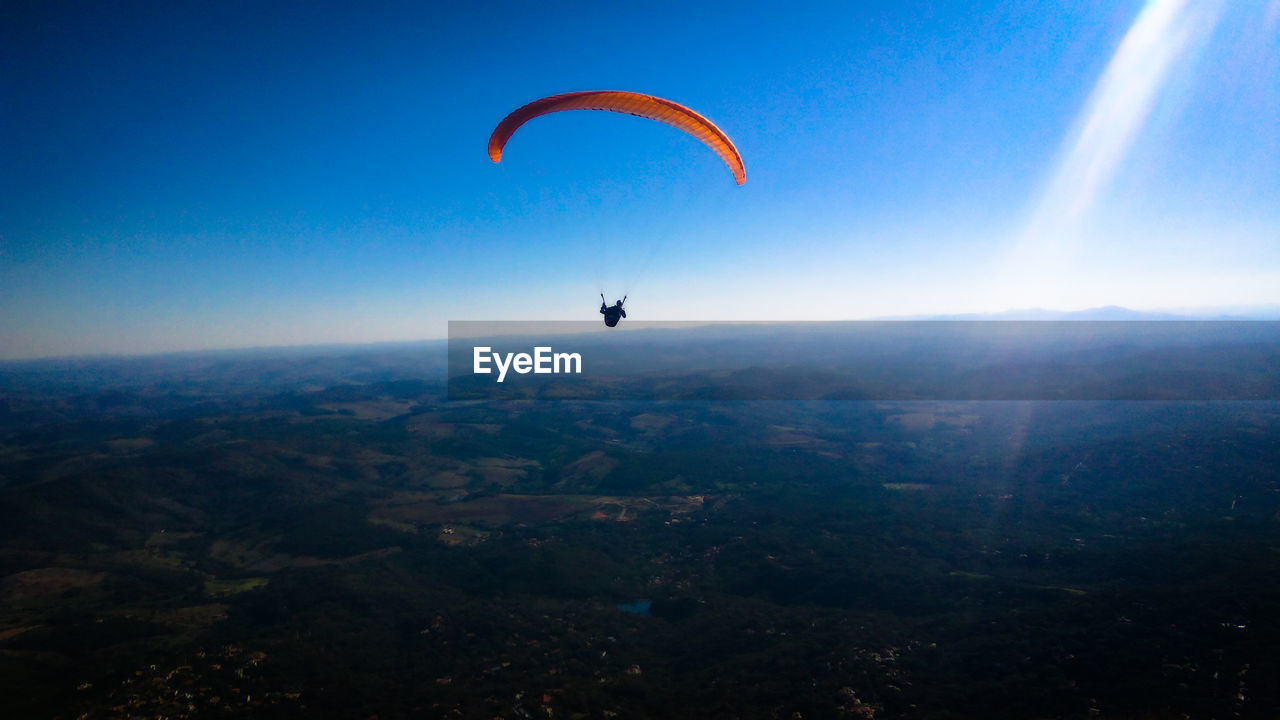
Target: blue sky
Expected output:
[187,176]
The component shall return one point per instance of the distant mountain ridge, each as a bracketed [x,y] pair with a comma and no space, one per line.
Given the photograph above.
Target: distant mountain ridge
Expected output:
[1108,312]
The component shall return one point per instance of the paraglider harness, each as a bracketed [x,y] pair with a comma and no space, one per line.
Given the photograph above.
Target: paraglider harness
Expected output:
[612,313]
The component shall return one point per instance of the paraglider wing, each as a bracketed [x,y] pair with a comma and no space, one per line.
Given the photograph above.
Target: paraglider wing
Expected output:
[629,103]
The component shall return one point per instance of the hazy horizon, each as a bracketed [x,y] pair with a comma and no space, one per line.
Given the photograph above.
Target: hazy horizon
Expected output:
[1101,314]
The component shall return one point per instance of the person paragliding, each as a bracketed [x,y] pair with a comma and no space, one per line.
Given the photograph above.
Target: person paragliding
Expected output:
[612,313]
[649,107]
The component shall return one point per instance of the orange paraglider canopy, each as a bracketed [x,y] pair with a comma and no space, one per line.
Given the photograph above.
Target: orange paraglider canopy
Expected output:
[629,103]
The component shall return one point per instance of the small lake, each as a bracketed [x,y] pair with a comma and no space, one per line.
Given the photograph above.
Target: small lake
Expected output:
[638,607]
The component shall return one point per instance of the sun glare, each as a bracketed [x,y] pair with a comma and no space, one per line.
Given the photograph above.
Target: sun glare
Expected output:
[1153,51]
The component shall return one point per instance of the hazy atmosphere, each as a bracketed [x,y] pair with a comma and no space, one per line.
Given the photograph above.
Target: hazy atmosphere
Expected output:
[238,174]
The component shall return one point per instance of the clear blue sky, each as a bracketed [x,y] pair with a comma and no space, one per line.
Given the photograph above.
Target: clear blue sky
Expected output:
[202,175]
